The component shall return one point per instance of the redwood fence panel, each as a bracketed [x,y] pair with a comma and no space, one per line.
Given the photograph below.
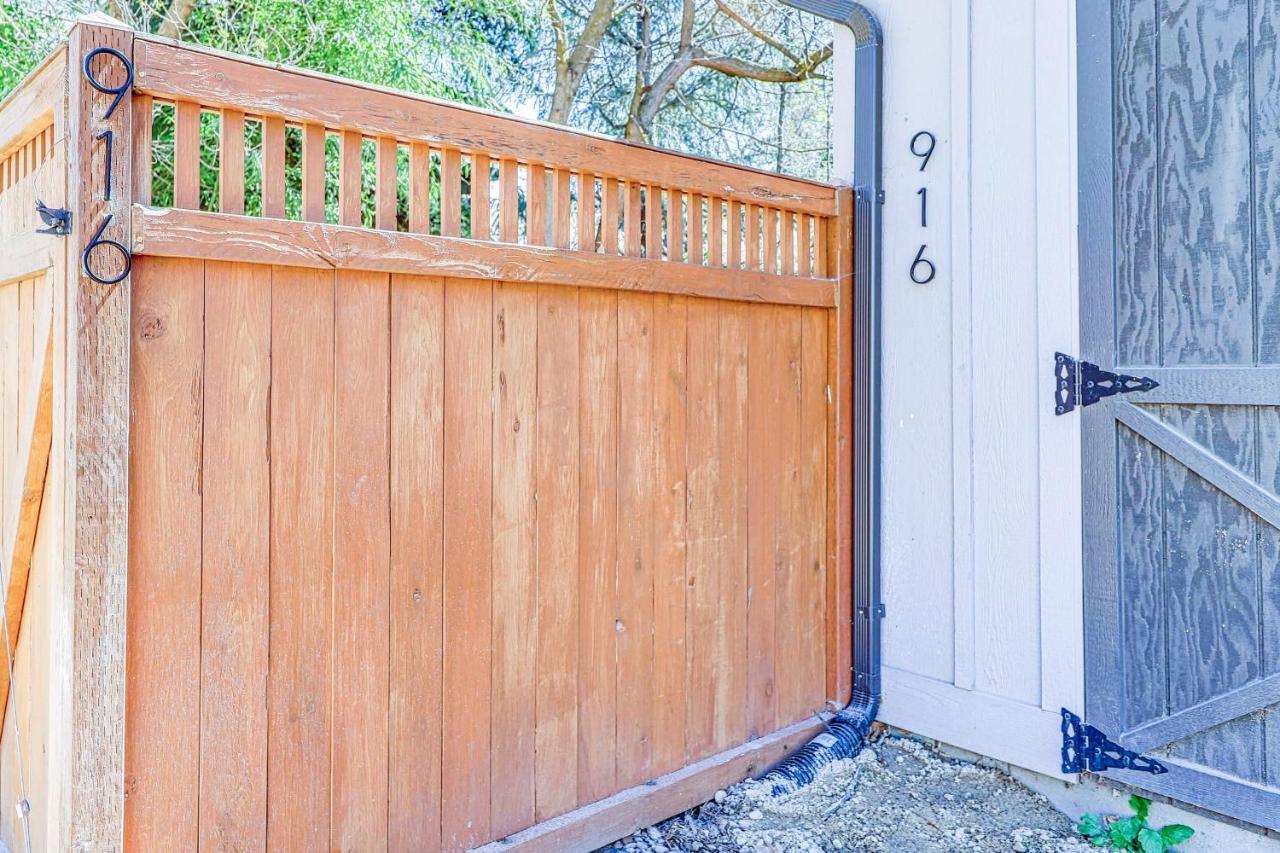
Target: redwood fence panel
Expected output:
[487,480]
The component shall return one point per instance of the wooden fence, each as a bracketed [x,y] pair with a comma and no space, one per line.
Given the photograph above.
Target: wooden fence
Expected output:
[433,477]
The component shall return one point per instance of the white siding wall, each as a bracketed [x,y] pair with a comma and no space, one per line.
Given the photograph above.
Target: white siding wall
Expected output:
[981,486]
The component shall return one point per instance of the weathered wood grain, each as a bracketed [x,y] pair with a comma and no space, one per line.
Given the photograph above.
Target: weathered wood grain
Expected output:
[417,562]
[299,683]
[515,564]
[670,420]
[597,544]
[468,562]
[361,561]
[162,733]
[635,565]
[559,608]
[235,590]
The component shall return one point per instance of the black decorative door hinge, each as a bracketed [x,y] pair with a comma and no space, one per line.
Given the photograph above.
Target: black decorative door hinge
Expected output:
[1086,748]
[1087,383]
[58,220]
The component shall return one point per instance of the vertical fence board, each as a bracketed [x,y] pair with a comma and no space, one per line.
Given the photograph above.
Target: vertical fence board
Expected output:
[753,237]
[468,587]
[635,537]
[509,201]
[361,550]
[811,562]
[299,688]
[653,222]
[789,583]
[586,212]
[631,227]
[385,183]
[515,581]
[451,192]
[703,524]
[350,178]
[715,232]
[770,239]
[162,719]
[313,169]
[561,209]
[536,205]
[598,518]
[481,187]
[417,562]
[186,156]
[419,188]
[676,229]
[231,152]
[234,597]
[731,622]
[142,120]
[610,216]
[556,712]
[735,235]
[670,415]
[273,167]
[765,399]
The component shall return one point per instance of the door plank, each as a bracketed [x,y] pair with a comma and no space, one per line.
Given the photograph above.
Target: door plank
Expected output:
[515,578]
[468,562]
[417,562]
[361,566]
[670,416]
[162,720]
[635,529]
[598,540]
[236,541]
[556,706]
[302,433]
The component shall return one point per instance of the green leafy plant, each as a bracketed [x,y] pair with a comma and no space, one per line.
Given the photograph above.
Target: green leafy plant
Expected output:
[1133,832]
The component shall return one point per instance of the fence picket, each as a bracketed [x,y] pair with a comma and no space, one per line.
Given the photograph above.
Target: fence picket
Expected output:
[231,182]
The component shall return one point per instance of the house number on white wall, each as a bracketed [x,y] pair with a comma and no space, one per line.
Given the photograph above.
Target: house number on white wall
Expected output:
[922,269]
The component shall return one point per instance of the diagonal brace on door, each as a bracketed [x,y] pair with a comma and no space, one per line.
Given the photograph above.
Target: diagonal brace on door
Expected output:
[23,512]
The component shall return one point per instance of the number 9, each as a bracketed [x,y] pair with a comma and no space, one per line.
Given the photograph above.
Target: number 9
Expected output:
[118,91]
[930,142]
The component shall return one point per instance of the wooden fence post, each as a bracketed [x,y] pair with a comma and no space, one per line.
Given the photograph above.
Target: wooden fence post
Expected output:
[97,443]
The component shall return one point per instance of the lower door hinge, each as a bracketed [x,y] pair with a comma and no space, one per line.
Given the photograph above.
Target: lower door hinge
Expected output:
[1086,383]
[1086,748]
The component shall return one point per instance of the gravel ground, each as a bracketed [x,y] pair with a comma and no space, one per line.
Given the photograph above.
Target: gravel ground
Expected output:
[897,795]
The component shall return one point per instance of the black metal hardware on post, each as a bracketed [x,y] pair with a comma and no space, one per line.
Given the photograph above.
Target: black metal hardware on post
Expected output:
[107,136]
[1086,383]
[118,91]
[98,241]
[1085,748]
[57,220]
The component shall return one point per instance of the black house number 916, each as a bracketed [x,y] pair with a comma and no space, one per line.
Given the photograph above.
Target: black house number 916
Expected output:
[107,137]
[922,269]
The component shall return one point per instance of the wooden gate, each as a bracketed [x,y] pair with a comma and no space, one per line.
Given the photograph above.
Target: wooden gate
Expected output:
[479,472]
[1182,484]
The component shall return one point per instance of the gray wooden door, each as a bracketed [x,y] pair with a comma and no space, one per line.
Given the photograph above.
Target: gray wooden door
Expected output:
[1180,281]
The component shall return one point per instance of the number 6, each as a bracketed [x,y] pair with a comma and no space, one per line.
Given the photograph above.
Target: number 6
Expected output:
[98,241]
[922,261]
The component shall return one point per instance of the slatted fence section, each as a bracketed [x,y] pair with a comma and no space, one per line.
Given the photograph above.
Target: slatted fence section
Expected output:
[481,470]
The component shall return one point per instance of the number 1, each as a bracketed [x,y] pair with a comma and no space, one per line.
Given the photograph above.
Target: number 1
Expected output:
[924,207]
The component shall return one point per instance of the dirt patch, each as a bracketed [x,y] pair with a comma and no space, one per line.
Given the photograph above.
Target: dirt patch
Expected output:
[897,795]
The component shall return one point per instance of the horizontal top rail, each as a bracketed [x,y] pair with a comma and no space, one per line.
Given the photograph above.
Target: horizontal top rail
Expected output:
[177,72]
[27,113]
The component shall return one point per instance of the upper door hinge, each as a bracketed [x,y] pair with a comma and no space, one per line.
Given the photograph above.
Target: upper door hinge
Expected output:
[1086,383]
[1086,748]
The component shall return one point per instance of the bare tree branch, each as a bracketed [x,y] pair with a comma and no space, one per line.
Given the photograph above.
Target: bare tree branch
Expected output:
[569,72]
[733,15]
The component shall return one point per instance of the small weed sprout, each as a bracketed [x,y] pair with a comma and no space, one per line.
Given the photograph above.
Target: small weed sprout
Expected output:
[1133,832]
